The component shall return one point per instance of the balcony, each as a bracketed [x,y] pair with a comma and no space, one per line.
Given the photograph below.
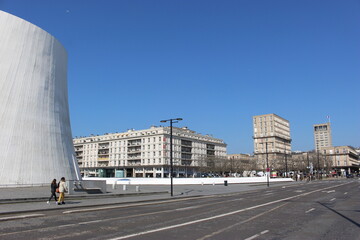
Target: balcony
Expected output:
[103,159]
[186,149]
[186,143]
[134,149]
[104,145]
[101,152]
[134,162]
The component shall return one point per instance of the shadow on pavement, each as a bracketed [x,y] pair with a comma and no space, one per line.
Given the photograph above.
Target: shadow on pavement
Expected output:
[350,220]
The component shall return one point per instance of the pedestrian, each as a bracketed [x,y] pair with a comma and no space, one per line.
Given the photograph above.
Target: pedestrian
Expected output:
[53,187]
[62,190]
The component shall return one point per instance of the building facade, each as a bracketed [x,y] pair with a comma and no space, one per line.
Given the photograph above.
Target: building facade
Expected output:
[146,153]
[322,136]
[272,140]
[344,159]
[35,141]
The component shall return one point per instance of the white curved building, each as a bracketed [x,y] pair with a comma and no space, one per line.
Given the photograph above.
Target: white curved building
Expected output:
[35,134]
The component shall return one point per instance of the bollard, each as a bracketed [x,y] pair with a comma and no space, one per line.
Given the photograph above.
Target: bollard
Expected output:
[225,183]
[124,187]
[138,188]
[114,185]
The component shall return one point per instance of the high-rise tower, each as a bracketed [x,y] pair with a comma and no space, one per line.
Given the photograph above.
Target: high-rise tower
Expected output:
[322,136]
[272,138]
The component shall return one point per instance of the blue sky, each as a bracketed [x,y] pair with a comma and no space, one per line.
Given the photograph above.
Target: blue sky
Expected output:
[213,63]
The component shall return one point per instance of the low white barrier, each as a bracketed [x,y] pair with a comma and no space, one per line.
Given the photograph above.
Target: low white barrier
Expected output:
[187,181]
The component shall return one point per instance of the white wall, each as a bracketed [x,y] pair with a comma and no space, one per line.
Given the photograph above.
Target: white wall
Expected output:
[35,135]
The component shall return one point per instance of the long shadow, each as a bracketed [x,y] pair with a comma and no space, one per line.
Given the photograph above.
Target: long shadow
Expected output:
[350,220]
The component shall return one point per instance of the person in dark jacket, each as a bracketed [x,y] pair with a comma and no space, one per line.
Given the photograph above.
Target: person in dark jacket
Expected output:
[53,191]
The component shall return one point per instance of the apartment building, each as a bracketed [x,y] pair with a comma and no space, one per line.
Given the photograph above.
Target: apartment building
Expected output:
[272,140]
[146,153]
[344,159]
[322,136]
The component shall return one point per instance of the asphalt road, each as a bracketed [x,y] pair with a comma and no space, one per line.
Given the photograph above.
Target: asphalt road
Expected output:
[316,210]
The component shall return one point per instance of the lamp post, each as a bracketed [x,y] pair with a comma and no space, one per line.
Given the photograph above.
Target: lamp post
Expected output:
[286,165]
[308,163]
[172,120]
[267,165]
[318,168]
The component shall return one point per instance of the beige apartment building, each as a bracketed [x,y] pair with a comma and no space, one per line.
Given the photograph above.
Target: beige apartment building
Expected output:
[322,136]
[146,153]
[344,159]
[272,140]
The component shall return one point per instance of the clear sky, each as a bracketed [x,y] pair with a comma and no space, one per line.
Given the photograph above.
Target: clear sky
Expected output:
[213,63]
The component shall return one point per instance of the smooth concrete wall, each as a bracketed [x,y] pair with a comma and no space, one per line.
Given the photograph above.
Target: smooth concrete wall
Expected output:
[35,134]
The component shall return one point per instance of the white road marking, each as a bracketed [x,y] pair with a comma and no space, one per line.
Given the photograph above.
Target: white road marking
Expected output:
[21,217]
[112,219]
[242,222]
[310,210]
[329,191]
[345,193]
[268,194]
[220,215]
[299,191]
[252,237]
[332,199]
[257,235]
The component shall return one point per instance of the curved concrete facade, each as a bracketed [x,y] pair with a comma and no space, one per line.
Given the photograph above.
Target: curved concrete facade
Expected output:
[35,134]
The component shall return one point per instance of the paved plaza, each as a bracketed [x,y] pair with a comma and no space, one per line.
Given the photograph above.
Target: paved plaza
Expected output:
[28,199]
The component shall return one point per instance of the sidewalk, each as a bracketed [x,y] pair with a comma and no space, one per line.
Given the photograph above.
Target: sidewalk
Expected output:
[32,199]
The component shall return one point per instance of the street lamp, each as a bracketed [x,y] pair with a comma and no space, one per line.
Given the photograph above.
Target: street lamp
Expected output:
[172,120]
[267,165]
[286,164]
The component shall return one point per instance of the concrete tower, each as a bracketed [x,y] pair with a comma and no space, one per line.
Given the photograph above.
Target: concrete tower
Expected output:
[322,136]
[35,134]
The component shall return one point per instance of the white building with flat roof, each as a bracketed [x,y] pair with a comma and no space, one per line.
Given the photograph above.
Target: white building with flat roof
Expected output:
[146,153]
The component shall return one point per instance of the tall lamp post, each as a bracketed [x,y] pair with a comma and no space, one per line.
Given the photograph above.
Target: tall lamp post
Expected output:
[267,165]
[172,120]
[286,163]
